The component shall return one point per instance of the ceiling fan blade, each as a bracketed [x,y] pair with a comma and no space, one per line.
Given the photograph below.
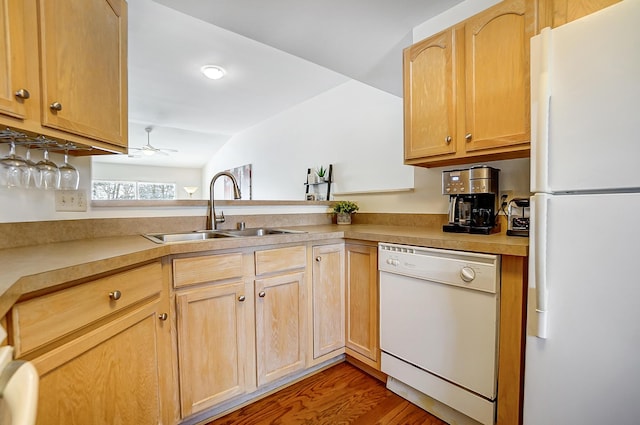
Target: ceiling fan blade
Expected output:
[149,150]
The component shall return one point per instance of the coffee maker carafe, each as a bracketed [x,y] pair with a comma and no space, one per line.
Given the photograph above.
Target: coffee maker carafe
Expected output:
[473,196]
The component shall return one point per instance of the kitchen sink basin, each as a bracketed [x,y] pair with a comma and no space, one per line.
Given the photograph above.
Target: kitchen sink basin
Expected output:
[201,235]
[259,231]
[185,237]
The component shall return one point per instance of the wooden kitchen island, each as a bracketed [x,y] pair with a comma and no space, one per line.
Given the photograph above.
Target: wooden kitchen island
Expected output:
[133,313]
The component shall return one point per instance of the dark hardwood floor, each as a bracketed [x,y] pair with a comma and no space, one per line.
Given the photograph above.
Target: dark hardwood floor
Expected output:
[339,395]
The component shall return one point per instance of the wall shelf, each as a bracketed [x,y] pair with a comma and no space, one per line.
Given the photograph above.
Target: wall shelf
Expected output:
[316,184]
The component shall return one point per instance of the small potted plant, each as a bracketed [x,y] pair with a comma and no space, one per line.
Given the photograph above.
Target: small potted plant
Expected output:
[343,210]
[321,172]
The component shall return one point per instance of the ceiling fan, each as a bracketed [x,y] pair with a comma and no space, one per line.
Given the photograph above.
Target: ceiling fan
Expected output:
[149,150]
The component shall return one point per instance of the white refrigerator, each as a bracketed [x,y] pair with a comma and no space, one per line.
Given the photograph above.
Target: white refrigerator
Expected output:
[582,361]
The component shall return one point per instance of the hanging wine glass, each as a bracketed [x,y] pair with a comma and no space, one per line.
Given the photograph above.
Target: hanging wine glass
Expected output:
[12,169]
[49,172]
[32,178]
[69,175]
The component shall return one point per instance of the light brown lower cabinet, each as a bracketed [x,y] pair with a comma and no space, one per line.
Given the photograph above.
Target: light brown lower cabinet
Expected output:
[111,362]
[215,344]
[280,326]
[328,305]
[108,376]
[362,328]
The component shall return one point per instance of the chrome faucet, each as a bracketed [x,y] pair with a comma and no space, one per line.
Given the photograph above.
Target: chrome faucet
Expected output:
[213,219]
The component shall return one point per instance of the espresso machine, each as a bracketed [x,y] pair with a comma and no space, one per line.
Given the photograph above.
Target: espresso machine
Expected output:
[473,199]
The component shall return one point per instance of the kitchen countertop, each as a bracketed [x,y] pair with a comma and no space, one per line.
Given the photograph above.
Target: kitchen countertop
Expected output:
[36,268]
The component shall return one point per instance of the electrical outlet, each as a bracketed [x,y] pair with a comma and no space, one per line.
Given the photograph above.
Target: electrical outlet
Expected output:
[71,200]
[506,195]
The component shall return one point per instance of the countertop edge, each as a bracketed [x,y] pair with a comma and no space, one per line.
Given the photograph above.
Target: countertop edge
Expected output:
[63,262]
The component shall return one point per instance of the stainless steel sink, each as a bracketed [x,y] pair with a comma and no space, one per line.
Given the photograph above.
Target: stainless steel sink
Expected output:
[200,235]
[259,231]
[184,237]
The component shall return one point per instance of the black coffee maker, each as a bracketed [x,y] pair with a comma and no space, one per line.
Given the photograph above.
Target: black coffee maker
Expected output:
[473,199]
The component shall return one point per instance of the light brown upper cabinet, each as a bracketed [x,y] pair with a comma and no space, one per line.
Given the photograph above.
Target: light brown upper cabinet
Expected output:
[12,64]
[430,97]
[63,69]
[467,89]
[554,13]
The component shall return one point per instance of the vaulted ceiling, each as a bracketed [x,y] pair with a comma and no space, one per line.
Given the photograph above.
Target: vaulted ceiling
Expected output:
[277,54]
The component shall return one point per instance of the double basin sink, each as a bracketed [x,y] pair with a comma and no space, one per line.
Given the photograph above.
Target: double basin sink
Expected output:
[201,235]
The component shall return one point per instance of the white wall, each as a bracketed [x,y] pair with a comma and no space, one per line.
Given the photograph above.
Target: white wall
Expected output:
[355,127]
[427,197]
[180,176]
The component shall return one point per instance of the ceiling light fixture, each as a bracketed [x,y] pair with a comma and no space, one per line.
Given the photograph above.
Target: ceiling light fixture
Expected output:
[213,72]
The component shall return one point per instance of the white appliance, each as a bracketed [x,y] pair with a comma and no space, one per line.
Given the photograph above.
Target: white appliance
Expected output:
[439,329]
[18,388]
[582,364]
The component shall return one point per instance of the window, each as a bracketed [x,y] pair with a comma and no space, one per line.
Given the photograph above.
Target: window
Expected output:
[103,190]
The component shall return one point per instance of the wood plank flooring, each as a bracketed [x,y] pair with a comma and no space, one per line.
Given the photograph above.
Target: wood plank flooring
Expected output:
[340,395]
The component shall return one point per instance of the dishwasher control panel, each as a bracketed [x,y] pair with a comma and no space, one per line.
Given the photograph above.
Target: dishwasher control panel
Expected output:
[465,269]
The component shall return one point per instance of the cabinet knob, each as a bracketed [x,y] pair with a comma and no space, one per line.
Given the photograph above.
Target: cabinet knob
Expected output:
[163,316]
[447,139]
[56,106]
[261,294]
[468,137]
[318,258]
[241,298]
[23,94]
[115,295]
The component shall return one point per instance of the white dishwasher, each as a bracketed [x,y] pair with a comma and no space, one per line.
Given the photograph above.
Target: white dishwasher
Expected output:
[439,329]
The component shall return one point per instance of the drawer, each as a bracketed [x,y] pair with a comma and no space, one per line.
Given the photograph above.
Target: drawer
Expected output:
[44,319]
[281,259]
[193,270]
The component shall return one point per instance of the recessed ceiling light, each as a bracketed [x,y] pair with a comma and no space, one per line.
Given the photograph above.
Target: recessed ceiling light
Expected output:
[213,72]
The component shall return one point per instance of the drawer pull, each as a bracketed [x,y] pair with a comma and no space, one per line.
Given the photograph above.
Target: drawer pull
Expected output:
[468,136]
[318,259]
[56,106]
[115,295]
[163,316]
[241,298]
[261,294]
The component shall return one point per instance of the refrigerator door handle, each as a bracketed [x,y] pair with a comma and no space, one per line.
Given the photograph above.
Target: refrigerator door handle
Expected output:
[541,110]
[537,263]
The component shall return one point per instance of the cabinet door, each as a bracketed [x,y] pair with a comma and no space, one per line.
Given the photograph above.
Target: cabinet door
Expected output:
[328,299]
[430,97]
[107,376]
[362,304]
[213,336]
[560,12]
[497,76]
[280,326]
[83,64]
[12,60]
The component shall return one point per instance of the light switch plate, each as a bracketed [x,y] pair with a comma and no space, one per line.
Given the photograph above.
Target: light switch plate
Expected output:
[71,200]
